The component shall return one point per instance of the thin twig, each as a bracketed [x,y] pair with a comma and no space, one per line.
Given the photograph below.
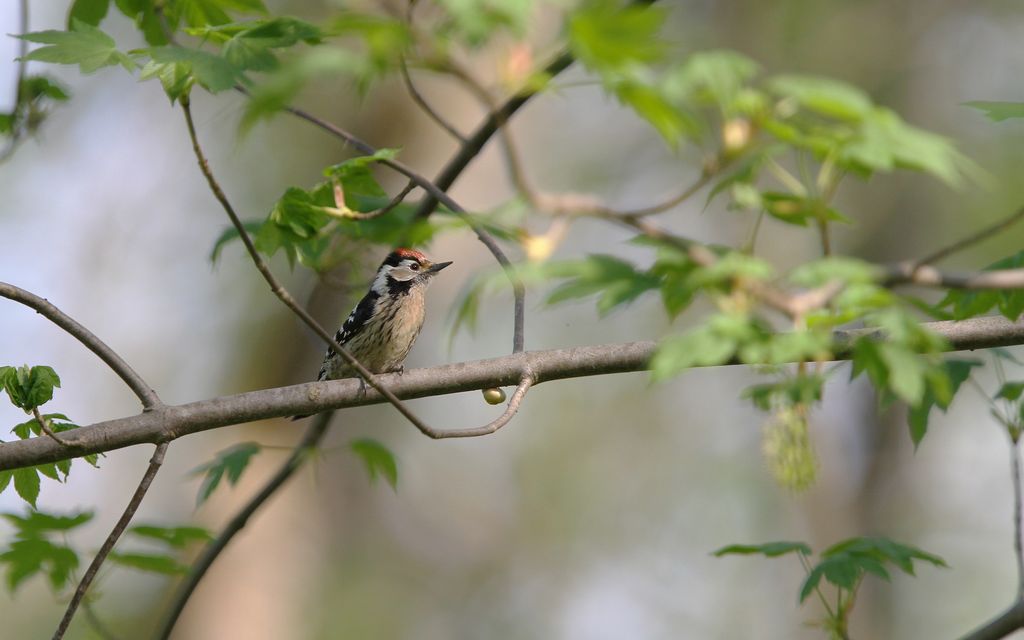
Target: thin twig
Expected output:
[479,138]
[314,434]
[706,175]
[513,160]
[117,364]
[1018,550]
[370,215]
[972,239]
[422,103]
[108,544]
[46,428]
[513,406]
[17,132]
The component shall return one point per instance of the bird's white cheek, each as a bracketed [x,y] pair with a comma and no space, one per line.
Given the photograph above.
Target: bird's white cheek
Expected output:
[403,274]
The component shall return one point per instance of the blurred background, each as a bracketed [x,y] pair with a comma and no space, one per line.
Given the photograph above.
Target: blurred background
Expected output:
[593,514]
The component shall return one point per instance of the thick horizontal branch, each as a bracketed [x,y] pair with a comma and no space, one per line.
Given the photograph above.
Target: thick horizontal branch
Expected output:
[171,422]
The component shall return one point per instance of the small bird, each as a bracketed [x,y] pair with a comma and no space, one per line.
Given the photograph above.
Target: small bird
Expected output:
[382,328]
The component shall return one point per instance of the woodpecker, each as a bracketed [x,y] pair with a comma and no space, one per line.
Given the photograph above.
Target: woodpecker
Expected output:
[382,328]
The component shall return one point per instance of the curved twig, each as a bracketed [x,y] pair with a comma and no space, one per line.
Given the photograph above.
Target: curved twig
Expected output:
[706,175]
[424,106]
[972,239]
[108,544]
[370,215]
[314,434]
[43,306]
[513,406]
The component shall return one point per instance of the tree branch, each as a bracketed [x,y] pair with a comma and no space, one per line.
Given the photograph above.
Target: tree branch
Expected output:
[108,544]
[314,434]
[171,422]
[42,306]
[932,277]
[1001,626]
[425,107]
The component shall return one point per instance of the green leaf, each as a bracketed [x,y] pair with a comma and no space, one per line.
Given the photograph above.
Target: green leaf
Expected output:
[617,281]
[88,11]
[805,389]
[175,77]
[176,537]
[200,13]
[155,563]
[943,384]
[229,234]
[648,102]
[35,88]
[840,268]
[84,45]
[5,479]
[477,21]
[711,77]
[37,523]
[251,49]
[231,461]
[26,483]
[999,111]
[606,36]
[906,372]
[29,387]
[824,96]
[701,347]
[1011,390]
[811,582]
[25,558]
[968,304]
[211,71]
[378,460]
[355,175]
[770,549]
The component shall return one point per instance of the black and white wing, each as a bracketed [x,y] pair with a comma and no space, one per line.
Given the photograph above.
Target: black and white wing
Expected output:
[352,326]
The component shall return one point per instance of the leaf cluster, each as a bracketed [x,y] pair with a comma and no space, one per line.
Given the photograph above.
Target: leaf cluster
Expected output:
[33,549]
[844,566]
[28,388]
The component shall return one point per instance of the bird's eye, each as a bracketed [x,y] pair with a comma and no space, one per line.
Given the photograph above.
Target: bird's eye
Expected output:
[414,266]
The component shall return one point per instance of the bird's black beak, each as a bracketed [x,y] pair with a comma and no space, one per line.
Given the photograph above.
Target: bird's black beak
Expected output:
[437,266]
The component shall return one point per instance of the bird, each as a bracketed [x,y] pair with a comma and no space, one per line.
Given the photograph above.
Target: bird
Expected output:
[382,328]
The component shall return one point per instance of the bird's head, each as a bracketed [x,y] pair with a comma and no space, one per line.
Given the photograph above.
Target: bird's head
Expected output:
[405,268]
